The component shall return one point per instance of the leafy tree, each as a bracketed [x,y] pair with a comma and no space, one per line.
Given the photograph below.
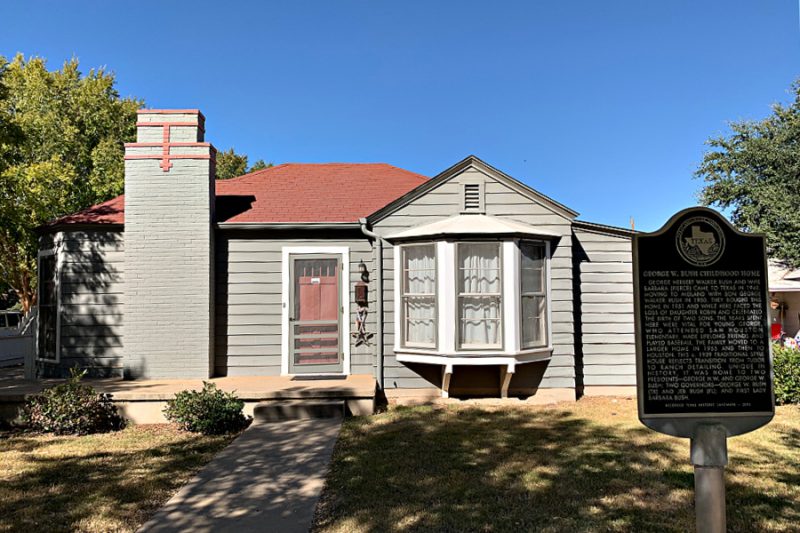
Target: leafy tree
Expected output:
[259,165]
[61,150]
[231,165]
[755,173]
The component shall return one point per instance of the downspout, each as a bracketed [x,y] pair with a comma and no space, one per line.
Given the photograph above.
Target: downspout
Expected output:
[378,299]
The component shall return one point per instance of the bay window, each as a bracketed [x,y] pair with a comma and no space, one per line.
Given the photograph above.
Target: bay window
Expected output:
[473,298]
[418,297]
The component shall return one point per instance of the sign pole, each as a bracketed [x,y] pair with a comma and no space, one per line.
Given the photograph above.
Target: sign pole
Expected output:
[709,455]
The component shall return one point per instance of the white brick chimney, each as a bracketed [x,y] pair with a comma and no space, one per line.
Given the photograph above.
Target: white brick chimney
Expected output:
[169,247]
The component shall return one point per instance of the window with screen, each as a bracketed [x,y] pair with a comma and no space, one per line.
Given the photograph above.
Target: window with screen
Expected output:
[48,309]
[533,295]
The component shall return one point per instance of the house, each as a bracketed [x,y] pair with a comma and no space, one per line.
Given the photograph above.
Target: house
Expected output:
[467,283]
[784,292]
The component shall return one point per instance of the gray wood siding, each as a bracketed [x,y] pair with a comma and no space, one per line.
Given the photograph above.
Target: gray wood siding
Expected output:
[249,302]
[445,201]
[91,289]
[606,308]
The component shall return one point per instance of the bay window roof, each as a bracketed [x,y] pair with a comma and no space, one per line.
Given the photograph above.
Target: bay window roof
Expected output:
[473,226]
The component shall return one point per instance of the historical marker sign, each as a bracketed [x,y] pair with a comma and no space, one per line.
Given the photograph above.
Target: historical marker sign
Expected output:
[702,328]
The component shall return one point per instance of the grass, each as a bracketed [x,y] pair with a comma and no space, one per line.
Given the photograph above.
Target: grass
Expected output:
[105,482]
[589,466]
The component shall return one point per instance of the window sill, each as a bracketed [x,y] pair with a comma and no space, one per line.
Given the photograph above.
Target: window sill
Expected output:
[404,355]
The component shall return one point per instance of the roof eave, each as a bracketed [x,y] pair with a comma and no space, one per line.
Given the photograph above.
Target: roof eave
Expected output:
[603,228]
[47,229]
[254,226]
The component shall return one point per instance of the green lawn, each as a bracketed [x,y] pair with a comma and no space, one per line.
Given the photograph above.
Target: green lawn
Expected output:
[106,482]
[589,466]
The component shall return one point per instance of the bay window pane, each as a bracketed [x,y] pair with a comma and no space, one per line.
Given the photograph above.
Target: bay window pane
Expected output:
[480,322]
[419,295]
[479,266]
[534,313]
[479,296]
[420,313]
[532,267]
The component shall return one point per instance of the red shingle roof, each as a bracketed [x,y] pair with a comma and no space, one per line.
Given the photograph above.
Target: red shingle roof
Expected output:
[292,192]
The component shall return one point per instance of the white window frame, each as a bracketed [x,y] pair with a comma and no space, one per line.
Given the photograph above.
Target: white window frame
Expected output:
[546,293]
[447,351]
[344,253]
[401,295]
[54,251]
[502,295]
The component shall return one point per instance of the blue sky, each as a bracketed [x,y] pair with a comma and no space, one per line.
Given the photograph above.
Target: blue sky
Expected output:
[604,106]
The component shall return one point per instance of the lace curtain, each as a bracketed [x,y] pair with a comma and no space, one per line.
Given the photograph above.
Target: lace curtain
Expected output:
[479,295]
[419,295]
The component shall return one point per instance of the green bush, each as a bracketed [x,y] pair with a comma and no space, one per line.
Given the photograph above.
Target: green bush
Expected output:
[786,366]
[72,408]
[209,411]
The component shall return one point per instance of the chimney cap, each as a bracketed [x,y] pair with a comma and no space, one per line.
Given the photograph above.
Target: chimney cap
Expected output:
[170,112]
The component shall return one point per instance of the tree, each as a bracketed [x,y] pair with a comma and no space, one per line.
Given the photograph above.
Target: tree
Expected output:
[755,173]
[260,165]
[231,165]
[61,150]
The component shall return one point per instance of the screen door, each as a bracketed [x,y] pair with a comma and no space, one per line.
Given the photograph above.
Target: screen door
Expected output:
[315,344]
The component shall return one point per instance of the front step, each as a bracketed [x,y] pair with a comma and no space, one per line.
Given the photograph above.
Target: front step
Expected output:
[298,409]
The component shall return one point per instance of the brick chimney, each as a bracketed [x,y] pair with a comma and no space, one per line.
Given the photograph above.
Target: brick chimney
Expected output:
[169,247]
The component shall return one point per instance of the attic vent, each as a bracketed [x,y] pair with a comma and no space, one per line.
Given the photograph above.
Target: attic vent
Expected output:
[473,197]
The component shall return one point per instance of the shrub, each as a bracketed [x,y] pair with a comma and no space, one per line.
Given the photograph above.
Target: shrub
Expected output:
[72,408]
[209,411]
[786,366]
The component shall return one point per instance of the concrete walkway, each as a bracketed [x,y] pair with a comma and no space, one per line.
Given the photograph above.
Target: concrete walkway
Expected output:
[269,479]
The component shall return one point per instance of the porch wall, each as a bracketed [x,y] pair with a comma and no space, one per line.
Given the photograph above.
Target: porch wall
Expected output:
[91,274]
[249,300]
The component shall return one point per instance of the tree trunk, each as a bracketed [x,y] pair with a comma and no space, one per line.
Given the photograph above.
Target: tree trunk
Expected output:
[26,295]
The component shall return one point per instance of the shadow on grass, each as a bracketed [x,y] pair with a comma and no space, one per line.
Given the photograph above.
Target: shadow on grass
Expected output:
[78,488]
[423,469]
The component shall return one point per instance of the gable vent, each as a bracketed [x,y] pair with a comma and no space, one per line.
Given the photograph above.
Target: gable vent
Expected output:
[472,194]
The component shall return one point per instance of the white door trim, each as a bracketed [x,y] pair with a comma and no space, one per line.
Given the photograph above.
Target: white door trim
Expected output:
[344,253]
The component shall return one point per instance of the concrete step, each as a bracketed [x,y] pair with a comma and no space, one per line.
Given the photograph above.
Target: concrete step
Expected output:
[276,411]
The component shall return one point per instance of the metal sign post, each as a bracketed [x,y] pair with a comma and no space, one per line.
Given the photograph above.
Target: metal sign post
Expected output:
[709,455]
[703,365]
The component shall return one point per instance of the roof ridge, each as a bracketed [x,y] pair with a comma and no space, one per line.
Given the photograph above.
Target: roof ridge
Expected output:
[253,173]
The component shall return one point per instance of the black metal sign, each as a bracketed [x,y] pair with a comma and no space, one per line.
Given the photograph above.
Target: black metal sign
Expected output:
[702,327]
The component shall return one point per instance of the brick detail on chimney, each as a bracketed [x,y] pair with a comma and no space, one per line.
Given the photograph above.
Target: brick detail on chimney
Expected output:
[166,156]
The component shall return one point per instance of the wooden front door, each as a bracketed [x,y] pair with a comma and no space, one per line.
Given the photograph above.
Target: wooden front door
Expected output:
[315,313]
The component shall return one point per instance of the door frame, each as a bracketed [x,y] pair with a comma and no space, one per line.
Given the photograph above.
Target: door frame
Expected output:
[286,285]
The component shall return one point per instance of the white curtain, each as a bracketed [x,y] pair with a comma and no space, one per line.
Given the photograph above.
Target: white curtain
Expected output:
[479,295]
[419,294]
